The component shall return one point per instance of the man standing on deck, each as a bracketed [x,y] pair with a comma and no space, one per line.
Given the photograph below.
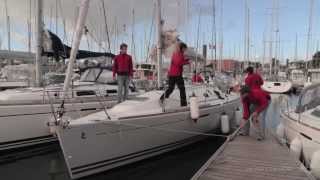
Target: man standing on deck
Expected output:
[178,60]
[123,69]
[253,80]
[260,101]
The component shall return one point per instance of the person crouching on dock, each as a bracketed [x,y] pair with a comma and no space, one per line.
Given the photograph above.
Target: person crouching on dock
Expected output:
[260,101]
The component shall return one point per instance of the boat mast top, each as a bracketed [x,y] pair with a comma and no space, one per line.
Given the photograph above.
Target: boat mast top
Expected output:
[84,7]
[39,40]
[159,44]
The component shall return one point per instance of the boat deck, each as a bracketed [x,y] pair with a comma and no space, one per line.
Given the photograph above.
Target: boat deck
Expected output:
[246,158]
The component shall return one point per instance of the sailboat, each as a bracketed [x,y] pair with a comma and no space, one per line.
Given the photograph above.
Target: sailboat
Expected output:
[140,128]
[300,127]
[25,112]
[277,86]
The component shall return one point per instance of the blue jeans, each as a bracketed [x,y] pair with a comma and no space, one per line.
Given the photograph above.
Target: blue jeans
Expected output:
[263,122]
[123,87]
[261,130]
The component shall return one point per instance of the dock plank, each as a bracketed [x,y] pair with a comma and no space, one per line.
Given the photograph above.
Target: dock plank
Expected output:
[246,158]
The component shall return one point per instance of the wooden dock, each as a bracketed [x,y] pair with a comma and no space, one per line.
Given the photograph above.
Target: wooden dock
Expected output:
[246,158]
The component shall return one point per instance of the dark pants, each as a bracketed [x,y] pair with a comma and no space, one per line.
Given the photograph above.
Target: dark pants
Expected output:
[173,80]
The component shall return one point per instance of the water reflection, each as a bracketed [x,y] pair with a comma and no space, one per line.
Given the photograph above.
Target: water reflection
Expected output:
[178,164]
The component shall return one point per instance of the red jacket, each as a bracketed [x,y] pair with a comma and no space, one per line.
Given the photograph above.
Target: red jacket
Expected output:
[254,81]
[122,65]
[257,97]
[197,79]
[177,62]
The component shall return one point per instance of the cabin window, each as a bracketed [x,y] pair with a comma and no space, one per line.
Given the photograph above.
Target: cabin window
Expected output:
[112,91]
[90,75]
[106,77]
[86,93]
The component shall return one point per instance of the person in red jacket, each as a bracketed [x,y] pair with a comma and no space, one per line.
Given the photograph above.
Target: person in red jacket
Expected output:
[253,80]
[260,101]
[196,78]
[123,69]
[178,60]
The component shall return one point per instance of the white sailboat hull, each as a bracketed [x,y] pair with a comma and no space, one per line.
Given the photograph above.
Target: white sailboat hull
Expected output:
[309,136]
[25,125]
[277,87]
[101,145]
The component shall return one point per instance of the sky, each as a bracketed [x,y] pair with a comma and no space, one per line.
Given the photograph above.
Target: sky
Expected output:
[186,16]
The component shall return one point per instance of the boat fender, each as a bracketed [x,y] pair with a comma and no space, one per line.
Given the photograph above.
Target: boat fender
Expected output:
[225,124]
[238,116]
[280,133]
[52,124]
[194,107]
[296,147]
[315,164]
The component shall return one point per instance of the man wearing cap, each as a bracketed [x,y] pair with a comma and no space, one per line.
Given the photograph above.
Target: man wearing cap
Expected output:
[260,100]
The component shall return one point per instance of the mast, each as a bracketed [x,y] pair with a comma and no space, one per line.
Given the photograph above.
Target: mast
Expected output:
[159,43]
[56,17]
[271,37]
[106,24]
[277,37]
[296,49]
[8,25]
[264,50]
[84,7]
[198,34]
[246,54]
[133,46]
[214,35]
[29,28]
[309,31]
[39,33]
[248,36]
[221,37]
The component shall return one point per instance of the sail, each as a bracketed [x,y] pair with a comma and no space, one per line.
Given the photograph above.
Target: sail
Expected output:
[54,47]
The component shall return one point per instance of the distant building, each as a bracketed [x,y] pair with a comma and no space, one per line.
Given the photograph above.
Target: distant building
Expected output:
[226,65]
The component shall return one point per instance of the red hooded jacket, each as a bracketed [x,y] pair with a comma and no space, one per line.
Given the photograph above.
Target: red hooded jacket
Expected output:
[259,98]
[177,62]
[254,81]
[122,65]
